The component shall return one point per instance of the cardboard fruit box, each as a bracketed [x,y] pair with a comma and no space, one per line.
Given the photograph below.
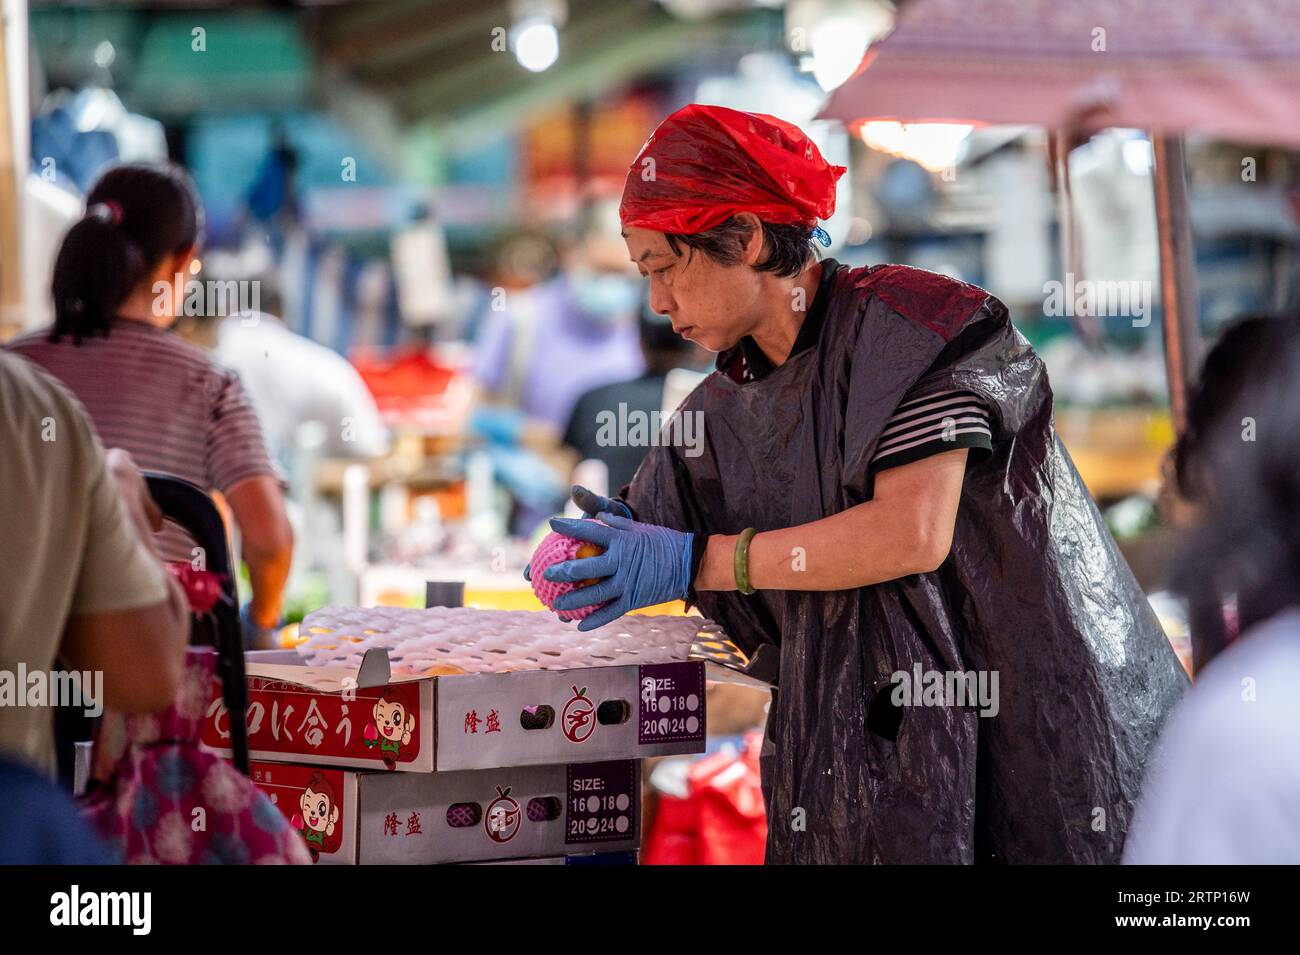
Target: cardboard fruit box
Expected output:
[321,804]
[368,717]
[582,811]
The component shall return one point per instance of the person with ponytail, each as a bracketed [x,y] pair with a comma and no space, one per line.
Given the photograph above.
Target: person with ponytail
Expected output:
[119,282]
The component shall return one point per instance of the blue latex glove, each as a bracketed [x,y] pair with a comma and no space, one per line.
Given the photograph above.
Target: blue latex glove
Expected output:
[593,504]
[643,565]
[496,424]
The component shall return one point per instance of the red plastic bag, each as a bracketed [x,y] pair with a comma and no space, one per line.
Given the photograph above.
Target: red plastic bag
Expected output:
[705,164]
[721,821]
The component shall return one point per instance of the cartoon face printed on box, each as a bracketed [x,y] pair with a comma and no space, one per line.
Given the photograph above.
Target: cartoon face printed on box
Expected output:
[394,723]
[318,816]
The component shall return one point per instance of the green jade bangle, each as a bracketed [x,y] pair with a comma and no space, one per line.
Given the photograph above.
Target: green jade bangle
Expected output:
[740,560]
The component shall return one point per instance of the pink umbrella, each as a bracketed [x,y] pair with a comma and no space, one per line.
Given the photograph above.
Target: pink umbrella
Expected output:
[1228,69]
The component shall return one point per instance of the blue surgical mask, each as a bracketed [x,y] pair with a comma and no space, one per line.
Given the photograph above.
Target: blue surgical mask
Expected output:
[605,298]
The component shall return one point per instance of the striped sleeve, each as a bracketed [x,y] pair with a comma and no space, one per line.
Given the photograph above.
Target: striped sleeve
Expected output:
[235,449]
[921,427]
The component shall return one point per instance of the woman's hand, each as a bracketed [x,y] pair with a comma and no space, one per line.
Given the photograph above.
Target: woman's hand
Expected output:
[643,565]
[593,504]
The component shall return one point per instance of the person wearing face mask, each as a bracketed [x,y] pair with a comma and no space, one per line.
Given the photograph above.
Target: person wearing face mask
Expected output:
[881,516]
[539,352]
[603,298]
[550,343]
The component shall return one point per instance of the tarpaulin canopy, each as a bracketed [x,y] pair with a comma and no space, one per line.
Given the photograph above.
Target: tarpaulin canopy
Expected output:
[1168,66]
[1231,69]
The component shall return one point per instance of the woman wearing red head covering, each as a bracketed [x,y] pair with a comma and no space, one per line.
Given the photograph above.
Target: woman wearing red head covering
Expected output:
[880,514]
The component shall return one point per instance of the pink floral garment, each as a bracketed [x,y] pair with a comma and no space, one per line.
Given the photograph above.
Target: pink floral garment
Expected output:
[149,809]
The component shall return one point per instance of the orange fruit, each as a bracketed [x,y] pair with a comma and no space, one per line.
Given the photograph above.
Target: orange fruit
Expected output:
[444,669]
[588,550]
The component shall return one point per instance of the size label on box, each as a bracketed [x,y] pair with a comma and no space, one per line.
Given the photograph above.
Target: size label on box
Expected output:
[670,706]
[601,801]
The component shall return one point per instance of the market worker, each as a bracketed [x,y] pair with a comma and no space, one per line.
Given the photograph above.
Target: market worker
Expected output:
[880,497]
[119,282]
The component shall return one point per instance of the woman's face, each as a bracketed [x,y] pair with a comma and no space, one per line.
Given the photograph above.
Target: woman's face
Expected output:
[708,303]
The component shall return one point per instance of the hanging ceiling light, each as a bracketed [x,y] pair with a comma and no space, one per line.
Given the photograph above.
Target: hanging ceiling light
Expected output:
[934,145]
[831,36]
[535,32]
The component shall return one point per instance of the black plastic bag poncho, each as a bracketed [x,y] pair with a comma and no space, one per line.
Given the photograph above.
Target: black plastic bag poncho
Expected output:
[1034,589]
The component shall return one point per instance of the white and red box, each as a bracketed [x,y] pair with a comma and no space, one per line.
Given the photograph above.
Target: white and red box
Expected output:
[522,812]
[320,803]
[369,718]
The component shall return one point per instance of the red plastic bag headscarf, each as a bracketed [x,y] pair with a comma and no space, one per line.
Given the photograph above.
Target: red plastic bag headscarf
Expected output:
[705,164]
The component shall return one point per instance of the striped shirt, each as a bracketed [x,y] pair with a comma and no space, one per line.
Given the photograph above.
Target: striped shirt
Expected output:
[920,427]
[168,403]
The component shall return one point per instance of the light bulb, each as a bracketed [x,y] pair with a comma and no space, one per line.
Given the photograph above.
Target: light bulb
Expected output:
[537,44]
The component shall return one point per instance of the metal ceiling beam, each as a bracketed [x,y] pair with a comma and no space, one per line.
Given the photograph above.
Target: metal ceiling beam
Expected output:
[443,55]
[344,21]
[585,39]
[643,52]
[410,34]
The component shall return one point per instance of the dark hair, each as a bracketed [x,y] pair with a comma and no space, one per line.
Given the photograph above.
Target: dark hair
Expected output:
[136,215]
[1243,353]
[789,247]
[1247,543]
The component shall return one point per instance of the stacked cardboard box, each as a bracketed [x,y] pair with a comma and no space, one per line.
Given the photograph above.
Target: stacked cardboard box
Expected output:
[417,818]
[543,765]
